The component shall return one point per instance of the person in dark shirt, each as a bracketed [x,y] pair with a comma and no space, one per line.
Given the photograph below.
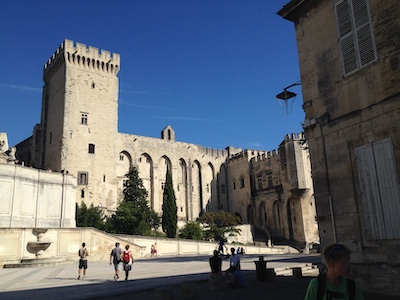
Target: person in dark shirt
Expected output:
[215,263]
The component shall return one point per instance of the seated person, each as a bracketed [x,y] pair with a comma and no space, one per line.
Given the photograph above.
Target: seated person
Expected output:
[236,278]
[215,263]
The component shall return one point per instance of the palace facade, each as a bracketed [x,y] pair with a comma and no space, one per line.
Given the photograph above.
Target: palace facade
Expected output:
[78,134]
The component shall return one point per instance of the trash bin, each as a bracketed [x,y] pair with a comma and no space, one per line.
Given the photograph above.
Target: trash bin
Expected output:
[261,269]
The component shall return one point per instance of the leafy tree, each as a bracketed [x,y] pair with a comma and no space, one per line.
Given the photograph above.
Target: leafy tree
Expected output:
[217,224]
[89,217]
[134,216]
[191,230]
[169,217]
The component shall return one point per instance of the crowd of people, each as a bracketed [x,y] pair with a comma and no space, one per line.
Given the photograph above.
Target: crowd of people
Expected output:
[335,283]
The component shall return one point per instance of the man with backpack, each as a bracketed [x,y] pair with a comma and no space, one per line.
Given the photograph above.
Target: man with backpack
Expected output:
[334,284]
[127,260]
[115,258]
[83,254]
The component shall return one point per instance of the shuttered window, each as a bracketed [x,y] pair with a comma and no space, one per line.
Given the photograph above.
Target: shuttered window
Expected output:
[380,189]
[355,34]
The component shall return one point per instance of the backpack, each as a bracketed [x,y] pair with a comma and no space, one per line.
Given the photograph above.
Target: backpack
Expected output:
[351,287]
[127,256]
[82,253]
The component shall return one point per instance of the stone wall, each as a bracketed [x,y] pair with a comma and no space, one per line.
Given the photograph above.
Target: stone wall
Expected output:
[60,245]
[56,244]
[36,198]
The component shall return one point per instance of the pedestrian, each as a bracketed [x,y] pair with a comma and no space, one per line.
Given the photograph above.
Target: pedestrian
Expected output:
[152,251]
[155,249]
[334,284]
[115,258]
[127,259]
[215,263]
[215,277]
[221,246]
[83,254]
[234,260]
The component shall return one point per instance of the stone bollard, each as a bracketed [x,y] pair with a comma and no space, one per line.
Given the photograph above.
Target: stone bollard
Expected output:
[271,275]
[297,273]
[189,289]
[164,294]
[216,281]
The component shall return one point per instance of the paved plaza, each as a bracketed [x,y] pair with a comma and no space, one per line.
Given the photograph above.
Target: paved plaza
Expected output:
[148,275]
[167,273]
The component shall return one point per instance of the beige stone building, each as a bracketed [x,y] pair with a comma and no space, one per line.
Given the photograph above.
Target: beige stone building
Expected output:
[349,53]
[78,134]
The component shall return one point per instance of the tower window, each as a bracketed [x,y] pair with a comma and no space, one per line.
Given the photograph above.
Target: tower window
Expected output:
[223,189]
[270,184]
[93,85]
[82,193]
[121,158]
[82,178]
[259,181]
[241,182]
[91,148]
[84,119]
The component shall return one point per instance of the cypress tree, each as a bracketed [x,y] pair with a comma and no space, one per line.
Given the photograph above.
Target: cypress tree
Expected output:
[169,208]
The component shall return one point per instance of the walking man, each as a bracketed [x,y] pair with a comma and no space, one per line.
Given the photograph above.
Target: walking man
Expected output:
[115,258]
[83,254]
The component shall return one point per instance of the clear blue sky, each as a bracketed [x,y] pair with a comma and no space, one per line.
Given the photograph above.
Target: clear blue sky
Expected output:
[209,68]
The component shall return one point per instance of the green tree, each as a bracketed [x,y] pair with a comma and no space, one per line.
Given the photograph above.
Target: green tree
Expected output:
[217,224]
[89,217]
[191,230]
[169,217]
[134,216]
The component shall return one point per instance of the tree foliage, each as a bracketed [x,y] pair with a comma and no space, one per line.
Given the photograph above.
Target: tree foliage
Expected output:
[134,216]
[191,230]
[217,224]
[169,208]
[89,217]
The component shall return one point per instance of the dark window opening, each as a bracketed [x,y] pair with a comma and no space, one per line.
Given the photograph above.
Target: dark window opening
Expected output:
[84,119]
[91,148]
[82,178]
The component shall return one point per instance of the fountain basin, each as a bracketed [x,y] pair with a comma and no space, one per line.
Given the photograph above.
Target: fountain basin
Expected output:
[38,247]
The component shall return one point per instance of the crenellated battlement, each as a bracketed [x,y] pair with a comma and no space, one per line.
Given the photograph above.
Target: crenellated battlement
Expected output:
[215,153]
[252,154]
[294,136]
[81,55]
[266,155]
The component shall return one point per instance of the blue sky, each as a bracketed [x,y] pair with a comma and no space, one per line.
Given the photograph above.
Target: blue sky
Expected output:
[209,68]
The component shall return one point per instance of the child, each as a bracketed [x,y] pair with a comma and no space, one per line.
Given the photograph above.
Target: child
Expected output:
[334,284]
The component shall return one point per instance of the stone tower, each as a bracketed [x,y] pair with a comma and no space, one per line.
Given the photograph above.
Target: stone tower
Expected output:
[80,118]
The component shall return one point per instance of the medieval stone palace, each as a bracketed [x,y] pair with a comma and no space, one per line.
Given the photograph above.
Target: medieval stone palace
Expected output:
[78,134]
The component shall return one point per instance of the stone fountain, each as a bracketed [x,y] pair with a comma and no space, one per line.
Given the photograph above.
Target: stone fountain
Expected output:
[39,246]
